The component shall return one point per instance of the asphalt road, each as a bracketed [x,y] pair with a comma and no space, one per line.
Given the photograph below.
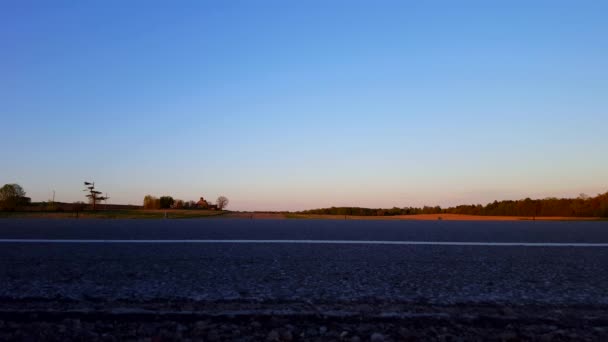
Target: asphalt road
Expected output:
[221,228]
[327,273]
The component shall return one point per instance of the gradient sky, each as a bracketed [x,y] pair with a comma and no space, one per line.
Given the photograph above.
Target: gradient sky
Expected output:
[304,104]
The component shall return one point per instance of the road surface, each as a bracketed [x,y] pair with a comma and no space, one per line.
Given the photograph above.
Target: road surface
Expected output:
[307,267]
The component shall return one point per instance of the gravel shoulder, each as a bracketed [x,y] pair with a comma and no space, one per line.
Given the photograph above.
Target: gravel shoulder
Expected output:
[241,321]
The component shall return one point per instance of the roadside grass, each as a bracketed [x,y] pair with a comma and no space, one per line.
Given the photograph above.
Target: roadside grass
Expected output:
[116,214]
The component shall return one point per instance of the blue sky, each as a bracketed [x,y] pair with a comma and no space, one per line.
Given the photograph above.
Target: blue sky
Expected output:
[292,105]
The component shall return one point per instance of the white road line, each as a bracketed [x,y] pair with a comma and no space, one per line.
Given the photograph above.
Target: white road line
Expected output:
[313,242]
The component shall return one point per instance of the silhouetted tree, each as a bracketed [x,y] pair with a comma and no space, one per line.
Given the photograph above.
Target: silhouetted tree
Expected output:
[12,196]
[94,196]
[222,202]
[166,202]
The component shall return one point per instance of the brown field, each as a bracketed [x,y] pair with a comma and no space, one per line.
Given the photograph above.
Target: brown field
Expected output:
[185,214]
[257,215]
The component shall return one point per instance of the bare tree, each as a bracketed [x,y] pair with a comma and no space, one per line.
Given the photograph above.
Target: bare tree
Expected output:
[178,204]
[94,196]
[222,202]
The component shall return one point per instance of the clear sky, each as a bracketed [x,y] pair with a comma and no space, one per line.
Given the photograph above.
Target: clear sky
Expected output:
[304,104]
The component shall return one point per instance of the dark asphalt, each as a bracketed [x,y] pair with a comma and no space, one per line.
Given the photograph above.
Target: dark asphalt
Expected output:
[472,231]
[301,273]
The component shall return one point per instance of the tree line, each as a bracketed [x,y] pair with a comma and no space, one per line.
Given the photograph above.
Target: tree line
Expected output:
[582,206]
[13,197]
[168,202]
[358,211]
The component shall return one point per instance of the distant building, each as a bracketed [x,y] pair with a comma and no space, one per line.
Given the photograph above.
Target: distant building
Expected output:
[203,204]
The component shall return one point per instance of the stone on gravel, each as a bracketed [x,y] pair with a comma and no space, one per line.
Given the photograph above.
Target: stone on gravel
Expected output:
[377,337]
[311,332]
[508,336]
[143,329]
[108,338]
[286,336]
[213,336]
[273,336]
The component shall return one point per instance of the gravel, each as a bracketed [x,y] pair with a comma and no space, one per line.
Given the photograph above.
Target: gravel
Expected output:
[282,328]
